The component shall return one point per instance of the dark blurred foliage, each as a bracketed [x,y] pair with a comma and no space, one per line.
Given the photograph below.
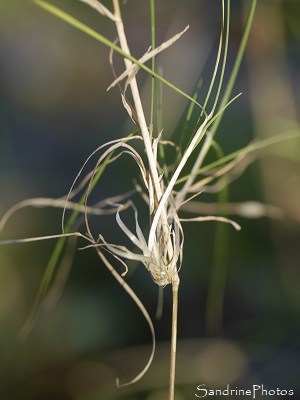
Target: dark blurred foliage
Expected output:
[54,111]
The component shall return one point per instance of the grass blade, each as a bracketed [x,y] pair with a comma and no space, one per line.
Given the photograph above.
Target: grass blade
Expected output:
[236,66]
[91,32]
[54,260]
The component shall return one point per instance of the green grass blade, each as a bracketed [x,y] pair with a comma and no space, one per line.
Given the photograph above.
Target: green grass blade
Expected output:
[54,259]
[216,67]
[236,66]
[218,61]
[187,116]
[220,112]
[225,51]
[91,32]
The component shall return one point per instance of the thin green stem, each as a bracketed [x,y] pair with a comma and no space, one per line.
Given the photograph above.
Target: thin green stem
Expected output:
[236,66]
[160,102]
[225,50]
[219,56]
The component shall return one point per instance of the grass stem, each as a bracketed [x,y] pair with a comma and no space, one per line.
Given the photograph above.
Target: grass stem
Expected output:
[175,287]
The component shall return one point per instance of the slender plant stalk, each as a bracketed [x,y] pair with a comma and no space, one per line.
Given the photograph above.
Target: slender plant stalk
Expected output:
[137,100]
[143,126]
[156,184]
[175,287]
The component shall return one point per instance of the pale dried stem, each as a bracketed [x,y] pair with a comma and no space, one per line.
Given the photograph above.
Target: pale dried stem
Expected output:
[137,100]
[173,180]
[147,56]
[100,8]
[143,125]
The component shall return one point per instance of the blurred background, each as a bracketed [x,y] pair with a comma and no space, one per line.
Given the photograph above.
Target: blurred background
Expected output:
[54,112]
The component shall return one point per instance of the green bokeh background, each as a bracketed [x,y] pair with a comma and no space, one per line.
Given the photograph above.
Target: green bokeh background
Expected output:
[54,111]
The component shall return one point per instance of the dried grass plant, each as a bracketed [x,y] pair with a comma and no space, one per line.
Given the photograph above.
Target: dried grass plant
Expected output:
[166,190]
